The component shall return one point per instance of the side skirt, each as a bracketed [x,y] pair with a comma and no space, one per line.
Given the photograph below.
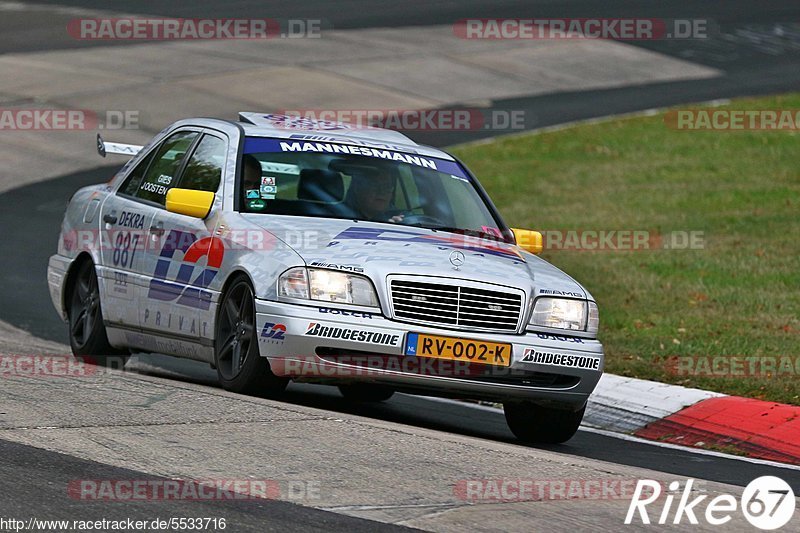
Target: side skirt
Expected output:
[148,341]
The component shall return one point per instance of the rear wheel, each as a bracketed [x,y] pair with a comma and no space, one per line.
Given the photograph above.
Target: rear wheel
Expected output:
[240,367]
[365,392]
[87,334]
[536,424]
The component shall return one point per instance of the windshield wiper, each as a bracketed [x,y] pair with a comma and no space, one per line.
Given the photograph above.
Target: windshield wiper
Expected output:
[460,231]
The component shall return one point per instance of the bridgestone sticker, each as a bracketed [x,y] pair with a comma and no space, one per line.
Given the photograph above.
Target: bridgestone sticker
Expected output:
[357,335]
[557,359]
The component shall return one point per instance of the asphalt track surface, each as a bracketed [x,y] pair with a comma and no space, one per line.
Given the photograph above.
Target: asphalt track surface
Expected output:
[38,479]
[751,64]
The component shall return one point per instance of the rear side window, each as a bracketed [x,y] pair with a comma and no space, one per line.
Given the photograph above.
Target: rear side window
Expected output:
[162,172]
[204,169]
[134,179]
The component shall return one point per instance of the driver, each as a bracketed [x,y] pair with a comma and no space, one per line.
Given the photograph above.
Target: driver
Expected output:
[251,184]
[370,195]
[251,172]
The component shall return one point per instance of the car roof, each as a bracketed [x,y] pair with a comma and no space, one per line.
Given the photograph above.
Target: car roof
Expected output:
[303,129]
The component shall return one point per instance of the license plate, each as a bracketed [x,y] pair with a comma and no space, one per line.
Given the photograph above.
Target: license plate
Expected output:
[479,352]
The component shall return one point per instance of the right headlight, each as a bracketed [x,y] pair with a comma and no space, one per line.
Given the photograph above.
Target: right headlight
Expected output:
[327,286]
[564,313]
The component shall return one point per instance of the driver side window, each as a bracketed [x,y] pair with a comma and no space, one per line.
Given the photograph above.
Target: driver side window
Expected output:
[204,169]
[161,167]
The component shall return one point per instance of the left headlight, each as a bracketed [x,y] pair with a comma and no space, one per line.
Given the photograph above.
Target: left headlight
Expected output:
[327,286]
[562,313]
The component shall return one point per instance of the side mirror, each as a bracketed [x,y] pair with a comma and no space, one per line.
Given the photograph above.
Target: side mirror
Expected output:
[528,240]
[190,202]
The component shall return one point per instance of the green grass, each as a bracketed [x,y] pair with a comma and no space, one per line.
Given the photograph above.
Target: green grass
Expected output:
[738,296]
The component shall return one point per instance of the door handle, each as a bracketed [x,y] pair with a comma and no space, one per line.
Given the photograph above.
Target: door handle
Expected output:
[110,219]
[157,229]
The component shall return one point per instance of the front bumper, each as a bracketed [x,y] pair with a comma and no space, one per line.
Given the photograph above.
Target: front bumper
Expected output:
[371,348]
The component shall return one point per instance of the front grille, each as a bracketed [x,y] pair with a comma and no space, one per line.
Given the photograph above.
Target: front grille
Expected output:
[464,307]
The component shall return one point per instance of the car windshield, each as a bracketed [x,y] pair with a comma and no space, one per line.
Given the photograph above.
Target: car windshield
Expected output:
[329,180]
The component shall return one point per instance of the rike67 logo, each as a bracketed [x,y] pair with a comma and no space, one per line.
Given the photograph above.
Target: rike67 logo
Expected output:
[188,288]
[767,503]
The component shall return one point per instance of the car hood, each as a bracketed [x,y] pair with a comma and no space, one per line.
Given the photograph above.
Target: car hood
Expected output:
[379,250]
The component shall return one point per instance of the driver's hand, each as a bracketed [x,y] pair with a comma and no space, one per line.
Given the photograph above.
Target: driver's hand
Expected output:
[397,218]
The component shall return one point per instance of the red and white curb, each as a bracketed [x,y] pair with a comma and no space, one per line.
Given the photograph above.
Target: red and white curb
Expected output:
[696,418]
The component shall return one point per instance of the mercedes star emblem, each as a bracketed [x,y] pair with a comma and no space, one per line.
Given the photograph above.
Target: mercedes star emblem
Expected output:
[456,259]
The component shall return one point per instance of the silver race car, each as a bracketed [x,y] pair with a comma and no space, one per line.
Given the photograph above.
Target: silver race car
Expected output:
[278,248]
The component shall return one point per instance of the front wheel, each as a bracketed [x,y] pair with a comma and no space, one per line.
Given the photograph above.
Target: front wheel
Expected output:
[544,425]
[365,392]
[87,334]
[240,367]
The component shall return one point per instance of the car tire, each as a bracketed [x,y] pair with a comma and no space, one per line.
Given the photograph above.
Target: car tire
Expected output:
[87,334]
[240,367]
[534,423]
[366,392]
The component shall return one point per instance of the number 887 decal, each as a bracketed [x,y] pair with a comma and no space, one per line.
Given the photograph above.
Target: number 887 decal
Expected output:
[126,244]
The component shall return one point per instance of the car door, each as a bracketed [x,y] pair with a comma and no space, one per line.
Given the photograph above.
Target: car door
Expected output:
[186,258]
[123,223]
[127,218]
